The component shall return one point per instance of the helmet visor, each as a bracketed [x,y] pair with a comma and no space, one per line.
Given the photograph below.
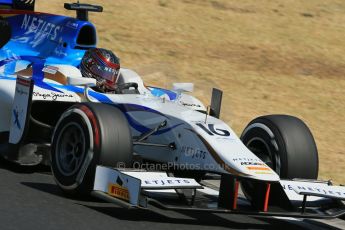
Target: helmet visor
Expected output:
[105,72]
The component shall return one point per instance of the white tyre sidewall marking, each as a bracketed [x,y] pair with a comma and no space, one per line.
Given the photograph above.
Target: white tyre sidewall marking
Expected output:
[273,141]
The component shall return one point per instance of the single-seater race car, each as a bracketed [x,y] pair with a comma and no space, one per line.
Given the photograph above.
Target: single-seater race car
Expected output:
[144,146]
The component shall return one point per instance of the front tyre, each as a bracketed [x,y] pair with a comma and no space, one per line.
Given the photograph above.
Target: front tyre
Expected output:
[88,135]
[285,144]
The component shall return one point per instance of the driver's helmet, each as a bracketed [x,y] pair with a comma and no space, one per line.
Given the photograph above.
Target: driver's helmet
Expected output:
[103,65]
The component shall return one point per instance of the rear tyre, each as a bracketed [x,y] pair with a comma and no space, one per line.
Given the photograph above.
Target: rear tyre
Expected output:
[285,144]
[88,135]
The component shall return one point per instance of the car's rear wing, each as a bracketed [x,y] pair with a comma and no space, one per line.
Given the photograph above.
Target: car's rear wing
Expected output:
[83,9]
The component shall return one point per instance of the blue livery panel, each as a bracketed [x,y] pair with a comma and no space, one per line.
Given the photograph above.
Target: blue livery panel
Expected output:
[55,39]
[6,2]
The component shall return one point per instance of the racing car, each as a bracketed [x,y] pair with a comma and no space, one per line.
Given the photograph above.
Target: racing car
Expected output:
[144,146]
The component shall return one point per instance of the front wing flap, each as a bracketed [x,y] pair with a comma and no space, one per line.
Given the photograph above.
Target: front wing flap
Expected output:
[142,189]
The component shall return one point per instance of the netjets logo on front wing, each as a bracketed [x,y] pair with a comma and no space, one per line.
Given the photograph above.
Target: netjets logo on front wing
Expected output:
[167,182]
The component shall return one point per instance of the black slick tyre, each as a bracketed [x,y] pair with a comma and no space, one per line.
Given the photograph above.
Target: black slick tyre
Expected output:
[284,143]
[88,135]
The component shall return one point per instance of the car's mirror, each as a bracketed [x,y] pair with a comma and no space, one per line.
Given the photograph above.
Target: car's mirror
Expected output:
[183,87]
[84,81]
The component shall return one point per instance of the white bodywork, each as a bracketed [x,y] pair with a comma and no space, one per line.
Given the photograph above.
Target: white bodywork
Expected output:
[202,143]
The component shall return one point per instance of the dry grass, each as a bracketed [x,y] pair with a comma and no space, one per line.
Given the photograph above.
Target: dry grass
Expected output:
[271,56]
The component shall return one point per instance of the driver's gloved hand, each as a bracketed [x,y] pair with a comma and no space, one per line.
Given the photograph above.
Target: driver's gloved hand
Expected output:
[121,88]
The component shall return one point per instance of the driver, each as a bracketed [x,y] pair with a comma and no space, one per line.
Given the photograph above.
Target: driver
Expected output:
[104,66]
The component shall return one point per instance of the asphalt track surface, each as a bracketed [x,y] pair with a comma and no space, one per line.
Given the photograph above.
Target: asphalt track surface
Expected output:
[29,199]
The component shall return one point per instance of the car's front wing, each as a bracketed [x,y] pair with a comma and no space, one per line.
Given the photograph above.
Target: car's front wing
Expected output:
[142,189]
